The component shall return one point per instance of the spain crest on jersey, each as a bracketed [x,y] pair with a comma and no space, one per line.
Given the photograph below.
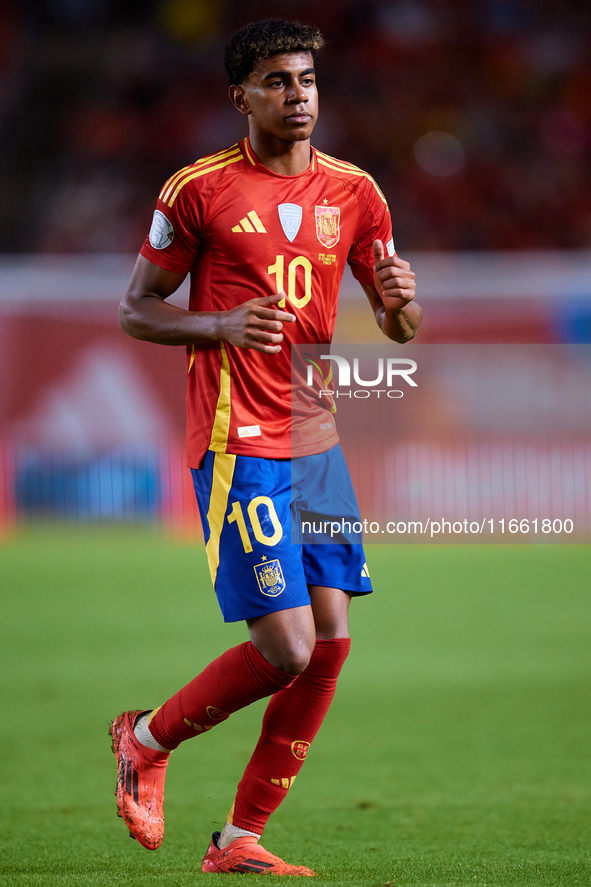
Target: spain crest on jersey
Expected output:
[328,220]
[270,578]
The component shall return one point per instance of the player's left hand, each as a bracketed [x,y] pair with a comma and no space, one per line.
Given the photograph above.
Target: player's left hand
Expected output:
[393,279]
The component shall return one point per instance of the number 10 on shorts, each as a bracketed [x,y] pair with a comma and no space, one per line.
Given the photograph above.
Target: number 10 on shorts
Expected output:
[237,516]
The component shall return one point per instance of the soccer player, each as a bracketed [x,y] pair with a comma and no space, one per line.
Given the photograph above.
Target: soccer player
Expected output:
[265,228]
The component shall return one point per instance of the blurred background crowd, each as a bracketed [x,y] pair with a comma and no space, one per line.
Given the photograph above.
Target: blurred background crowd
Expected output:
[473,115]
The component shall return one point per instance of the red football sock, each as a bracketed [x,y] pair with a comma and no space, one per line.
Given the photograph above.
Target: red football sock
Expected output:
[292,720]
[235,679]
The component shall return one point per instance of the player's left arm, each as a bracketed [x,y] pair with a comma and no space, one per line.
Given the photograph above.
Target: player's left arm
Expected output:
[392,296]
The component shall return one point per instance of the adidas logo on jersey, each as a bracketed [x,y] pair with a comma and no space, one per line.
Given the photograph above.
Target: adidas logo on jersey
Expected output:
[250,224]
[365,572]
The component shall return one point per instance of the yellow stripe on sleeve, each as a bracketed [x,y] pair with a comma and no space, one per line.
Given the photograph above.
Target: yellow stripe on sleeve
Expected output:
[198,173]
[170,182]
[351,171]
[342,163]
[203,161]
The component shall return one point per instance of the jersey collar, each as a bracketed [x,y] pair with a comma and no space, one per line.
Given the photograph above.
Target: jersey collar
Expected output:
[253,160]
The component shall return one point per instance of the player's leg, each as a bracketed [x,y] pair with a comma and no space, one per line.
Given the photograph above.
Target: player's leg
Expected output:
[320,486]
[142,741]
[285,638]
[292,719]
[294,715]
[255,574]
[248,583]
[330,609]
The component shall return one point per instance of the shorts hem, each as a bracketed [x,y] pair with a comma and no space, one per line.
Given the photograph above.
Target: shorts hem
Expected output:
[231,617]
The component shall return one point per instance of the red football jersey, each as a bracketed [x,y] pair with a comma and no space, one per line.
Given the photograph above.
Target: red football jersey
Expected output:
[244,231]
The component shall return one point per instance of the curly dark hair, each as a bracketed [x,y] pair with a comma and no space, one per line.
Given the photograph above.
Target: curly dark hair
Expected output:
[260,40]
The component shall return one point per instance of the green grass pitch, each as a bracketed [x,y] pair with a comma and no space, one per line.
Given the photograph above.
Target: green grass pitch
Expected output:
[456,751]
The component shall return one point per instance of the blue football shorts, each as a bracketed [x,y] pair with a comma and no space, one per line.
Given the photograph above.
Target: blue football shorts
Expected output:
[252,508]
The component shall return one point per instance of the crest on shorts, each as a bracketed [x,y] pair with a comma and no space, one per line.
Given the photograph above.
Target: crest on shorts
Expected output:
[270,578]
[290,216]
[328,219]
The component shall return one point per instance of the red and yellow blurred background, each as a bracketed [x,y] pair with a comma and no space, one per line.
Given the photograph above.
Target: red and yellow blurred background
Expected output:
[474,117]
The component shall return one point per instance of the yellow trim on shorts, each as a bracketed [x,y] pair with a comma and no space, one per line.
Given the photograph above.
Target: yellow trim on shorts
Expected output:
[221,484]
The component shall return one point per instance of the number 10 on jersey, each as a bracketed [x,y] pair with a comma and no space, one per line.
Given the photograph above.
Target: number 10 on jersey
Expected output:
[278,269]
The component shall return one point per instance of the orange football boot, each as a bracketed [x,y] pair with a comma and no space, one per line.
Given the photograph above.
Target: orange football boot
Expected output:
[140,783]
[245,855]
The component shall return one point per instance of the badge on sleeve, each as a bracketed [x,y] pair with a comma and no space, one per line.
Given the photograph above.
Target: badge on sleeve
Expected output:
[390,247]
[161,232]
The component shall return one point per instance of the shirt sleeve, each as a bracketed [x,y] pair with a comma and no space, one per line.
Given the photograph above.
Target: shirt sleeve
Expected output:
[174,237]
[374,223]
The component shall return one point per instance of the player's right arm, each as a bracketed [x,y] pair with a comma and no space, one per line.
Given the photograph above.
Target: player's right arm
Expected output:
[145,314]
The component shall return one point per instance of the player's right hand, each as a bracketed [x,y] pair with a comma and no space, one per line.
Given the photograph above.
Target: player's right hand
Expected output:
[256,324]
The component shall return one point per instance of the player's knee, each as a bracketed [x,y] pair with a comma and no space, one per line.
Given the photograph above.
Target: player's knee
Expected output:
[292,659]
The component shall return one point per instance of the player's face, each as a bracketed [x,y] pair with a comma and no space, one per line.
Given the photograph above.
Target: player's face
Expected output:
[280,96]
